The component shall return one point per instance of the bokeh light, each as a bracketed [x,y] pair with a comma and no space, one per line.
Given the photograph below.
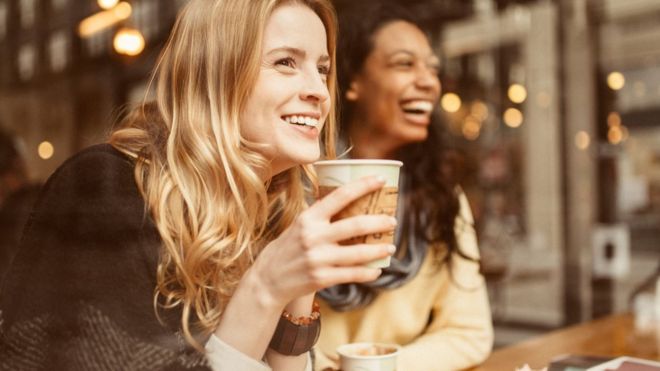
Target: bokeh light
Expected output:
[513,117]
[129,41]
[616,80]
[471,128]
[613,119]
[107,4]
[517,93]
[582,140]
[451,102]
[479,110]
[615,135]
[45,150]
[104,19]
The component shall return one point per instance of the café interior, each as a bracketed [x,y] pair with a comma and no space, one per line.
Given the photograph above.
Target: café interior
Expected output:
[551,109]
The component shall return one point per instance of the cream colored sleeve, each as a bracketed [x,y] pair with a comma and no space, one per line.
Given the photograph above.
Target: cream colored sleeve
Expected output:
[461,333]
[322,362]
[222,356]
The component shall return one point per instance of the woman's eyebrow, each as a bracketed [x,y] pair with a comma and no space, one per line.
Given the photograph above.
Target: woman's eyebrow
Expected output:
[300,53]
[400,51]
[288,49]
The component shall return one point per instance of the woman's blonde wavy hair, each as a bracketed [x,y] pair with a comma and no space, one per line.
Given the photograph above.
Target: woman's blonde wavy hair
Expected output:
[199,177]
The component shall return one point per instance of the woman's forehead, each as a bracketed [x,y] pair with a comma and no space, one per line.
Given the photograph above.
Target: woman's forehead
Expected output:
[296,26]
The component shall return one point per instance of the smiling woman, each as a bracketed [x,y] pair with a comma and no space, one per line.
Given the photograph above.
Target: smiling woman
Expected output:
[185,242]
[393,94]
[432,299]
[290,99]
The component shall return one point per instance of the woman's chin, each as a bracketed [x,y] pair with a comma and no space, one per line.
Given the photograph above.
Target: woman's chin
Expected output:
[306,158]
[414,136]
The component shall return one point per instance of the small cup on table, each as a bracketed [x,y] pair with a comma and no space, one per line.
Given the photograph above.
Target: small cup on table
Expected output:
[368,356]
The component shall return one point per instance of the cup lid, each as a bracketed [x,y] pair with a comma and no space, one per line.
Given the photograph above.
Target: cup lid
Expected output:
[343,350]
[360,162]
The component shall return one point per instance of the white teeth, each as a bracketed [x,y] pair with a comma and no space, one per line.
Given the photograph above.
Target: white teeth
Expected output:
[419,105]
[302,120]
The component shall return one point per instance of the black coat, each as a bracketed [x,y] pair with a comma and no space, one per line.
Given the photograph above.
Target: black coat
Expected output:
[79,294]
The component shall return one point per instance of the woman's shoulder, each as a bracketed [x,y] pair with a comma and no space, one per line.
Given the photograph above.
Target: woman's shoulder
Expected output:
[94,158]
[95,170]
[95,186]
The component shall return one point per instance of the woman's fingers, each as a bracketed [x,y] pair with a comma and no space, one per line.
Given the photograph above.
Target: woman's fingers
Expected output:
[341,197]
[349,256]
[359,225]
[338,275]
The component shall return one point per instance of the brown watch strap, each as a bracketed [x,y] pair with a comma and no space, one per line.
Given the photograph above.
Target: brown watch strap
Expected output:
[295,336]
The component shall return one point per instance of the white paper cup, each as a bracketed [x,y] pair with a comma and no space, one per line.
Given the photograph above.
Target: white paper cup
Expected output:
[368,356]
[334,173]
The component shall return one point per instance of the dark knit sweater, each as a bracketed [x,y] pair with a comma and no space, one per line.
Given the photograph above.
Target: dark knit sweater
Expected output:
[79,294]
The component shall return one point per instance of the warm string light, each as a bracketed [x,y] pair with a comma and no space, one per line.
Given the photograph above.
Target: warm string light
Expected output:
[513,117]
[613,119]
[616,80]
[107,4]
[45,150]
[471,128]
[479,110]
[129,41]
[451,102]
[102,20]
[616,132]
[517,93]
[582,140]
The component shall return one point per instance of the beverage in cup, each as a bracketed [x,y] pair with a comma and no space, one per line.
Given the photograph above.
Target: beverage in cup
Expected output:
[368,357]
[334,173]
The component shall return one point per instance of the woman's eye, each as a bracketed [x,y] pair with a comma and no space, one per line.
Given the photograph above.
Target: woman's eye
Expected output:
[324,70]
[404,63]
[286,62]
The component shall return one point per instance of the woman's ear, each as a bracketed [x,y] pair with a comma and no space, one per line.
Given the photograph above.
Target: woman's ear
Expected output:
[352,92]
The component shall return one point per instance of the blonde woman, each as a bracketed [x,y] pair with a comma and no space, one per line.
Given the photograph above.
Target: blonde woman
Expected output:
[185,243]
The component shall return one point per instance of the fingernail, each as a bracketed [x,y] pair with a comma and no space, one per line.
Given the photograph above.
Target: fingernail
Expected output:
[391,249]
[393,221]
[380,178]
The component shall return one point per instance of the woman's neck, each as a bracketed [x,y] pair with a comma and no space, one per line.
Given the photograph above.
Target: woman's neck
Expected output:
[370,144]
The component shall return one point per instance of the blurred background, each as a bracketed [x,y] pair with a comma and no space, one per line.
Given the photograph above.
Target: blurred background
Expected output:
[552,111]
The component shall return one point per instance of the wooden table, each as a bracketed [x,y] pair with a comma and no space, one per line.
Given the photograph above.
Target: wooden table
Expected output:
[610,336]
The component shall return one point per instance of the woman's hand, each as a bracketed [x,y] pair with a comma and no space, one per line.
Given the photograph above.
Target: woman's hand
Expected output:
[307,256]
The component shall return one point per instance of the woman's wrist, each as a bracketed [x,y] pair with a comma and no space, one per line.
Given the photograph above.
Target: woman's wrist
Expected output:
[301,306]
[250,305]
[262,288]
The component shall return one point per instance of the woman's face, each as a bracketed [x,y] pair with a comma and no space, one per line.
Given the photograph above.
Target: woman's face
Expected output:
[290,100]
[398,87]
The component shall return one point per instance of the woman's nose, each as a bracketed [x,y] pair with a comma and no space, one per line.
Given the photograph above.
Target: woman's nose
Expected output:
[427,79]
[315,87]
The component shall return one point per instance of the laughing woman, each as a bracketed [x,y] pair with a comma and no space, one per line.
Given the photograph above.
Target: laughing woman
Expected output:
[432,299]
[185,242]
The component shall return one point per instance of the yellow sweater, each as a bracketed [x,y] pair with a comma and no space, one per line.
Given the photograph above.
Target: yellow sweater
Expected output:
[442,320]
